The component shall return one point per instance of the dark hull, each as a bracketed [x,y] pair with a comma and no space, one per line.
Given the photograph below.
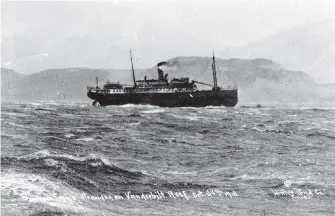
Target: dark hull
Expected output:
[227,98]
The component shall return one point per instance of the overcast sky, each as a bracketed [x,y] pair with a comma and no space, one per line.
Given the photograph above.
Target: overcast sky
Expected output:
[67,33]
[235,23]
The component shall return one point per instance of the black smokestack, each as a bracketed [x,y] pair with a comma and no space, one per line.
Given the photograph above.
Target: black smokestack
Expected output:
[161,63]
[160,74]
[160,71]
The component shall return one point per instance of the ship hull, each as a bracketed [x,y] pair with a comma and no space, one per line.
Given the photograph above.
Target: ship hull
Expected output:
[228,98]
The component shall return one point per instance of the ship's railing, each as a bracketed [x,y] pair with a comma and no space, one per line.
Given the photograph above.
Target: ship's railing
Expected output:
[149,90]
[229,88]
[97,90]
[90,88]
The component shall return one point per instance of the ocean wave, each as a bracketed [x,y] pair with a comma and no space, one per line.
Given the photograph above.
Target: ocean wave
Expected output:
[215,107]
[143,152]
[36,104]
[287,123]
[134,115]
[46,109]
[51,162]
[69,135]
[17,125]
[18,114]
[75,171]
[320,133]
[135,106]
[257,129]
[153,111]
[27,189]
[189,108]
[180,173]
[46,154]
[187,117]
[93,174]
[86,139]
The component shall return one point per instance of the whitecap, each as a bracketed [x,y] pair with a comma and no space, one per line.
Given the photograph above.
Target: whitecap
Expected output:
[154,111]
[36,104]
[69,135]
[36,155]
[257,129]
[96,164]
[191,118]
[134,124]
[47,154]
[32,188]
[94,156]
[86,139]
[136,106]
[181,173]
[50,162]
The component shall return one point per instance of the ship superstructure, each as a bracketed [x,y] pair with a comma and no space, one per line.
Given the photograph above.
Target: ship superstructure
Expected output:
[177,92]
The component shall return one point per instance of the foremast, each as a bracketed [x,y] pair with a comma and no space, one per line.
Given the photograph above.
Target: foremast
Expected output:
[215,87]
[132,68]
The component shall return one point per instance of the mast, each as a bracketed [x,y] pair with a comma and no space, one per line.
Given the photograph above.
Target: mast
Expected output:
[214,73]
[132,68]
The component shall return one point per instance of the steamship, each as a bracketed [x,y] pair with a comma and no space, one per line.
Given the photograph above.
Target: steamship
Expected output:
[177,92]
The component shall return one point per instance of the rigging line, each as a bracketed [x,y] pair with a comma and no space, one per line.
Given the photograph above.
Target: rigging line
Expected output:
[207,64]
[222,79]
[200,75]
[220,73]
[230,79]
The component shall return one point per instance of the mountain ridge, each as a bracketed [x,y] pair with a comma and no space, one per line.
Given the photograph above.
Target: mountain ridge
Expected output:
[259,80]
[309,48]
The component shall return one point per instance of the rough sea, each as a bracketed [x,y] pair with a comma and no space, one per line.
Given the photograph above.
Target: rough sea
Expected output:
[75,159]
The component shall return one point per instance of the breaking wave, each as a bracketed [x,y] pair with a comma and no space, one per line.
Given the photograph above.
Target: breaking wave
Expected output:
[67,150]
